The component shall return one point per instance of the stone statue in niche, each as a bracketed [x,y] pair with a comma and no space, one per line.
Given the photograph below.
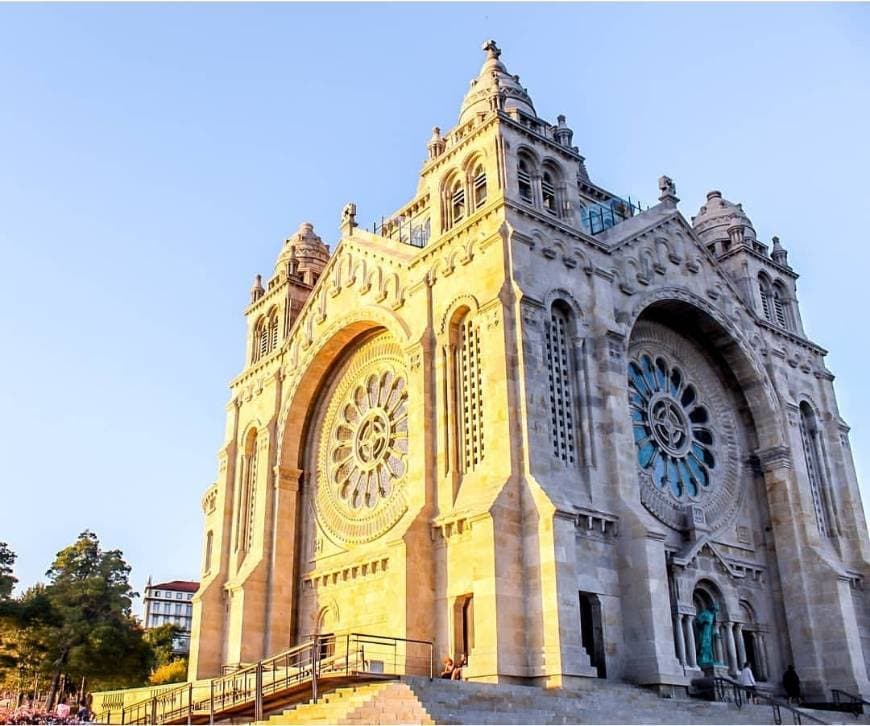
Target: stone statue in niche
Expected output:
[706,621]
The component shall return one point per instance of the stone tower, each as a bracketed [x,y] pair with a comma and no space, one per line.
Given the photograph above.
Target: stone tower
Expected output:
[540,426]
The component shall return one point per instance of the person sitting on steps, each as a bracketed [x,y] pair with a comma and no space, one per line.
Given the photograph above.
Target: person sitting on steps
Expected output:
[451,670]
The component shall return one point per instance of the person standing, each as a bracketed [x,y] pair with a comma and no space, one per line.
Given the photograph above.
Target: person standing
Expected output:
[747,680]
[792,685]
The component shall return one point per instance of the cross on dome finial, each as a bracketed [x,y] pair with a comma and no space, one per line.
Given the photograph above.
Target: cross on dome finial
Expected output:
[492,50]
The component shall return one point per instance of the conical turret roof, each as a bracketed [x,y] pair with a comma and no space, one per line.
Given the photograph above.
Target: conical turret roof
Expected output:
[494,82]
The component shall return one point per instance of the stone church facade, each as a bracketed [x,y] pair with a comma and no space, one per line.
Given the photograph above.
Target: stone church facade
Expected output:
[541,427]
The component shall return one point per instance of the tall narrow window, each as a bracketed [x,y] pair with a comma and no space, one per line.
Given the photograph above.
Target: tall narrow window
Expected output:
[469,383]
[209,541]
[548,192]
[264,339]
[457,202]
[561,389]
[273,330]
[780,306]
[479,186]
[809,438]
[524,181]
[248,494]
[766,302]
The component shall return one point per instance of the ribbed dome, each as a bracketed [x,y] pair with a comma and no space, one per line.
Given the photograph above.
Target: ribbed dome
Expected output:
[494,81]
[306,248]
[717,216]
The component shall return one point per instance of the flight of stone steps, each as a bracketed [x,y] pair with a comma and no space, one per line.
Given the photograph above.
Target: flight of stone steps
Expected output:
[420,701]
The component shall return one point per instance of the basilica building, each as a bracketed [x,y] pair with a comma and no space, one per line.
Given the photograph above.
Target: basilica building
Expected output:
[541,426]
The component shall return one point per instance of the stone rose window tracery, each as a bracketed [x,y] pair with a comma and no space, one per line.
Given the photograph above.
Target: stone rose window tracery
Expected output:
[370,440]
[362,444]
[671,428]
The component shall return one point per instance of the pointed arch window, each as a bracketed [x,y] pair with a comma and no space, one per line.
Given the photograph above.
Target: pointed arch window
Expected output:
[560,370]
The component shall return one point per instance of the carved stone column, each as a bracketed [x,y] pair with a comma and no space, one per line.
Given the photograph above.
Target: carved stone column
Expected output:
[741,646]
[761,651]
[718,653]
[681,640]
[731,648]
[281,611]
[691,653]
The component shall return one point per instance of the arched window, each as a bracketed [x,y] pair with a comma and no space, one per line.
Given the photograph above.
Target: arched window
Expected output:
[248,494]
[478,186]
[273,330]
[766,297]
[454,202]
[812,446]
[469,393]
[524,181]
[457,202]
[560,368]
[548,192]
[780,306]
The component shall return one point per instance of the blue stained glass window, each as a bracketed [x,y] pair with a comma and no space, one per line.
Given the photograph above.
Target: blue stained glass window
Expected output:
[670,426]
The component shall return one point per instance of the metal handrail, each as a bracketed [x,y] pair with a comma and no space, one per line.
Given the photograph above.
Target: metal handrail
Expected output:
[363,655]
[741,693]
[857,703]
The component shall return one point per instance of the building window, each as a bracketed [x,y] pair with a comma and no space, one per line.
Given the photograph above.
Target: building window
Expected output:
[811,441]
[245,523]
[524,181]
[548,193]
[561,390]
[478,182]
[671,427]
[273,330]
[781,307]
[157,594]
[766,301]
[457,202]
[209,542]
[469,384]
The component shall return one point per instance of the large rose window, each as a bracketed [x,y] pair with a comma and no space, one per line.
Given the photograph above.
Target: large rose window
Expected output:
[671,427]
[370,440]
[362,445]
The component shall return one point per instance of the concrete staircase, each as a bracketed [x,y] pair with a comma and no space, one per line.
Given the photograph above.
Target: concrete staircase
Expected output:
[420,701]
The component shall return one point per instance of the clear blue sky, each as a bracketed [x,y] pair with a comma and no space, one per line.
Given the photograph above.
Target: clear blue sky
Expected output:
[154,157]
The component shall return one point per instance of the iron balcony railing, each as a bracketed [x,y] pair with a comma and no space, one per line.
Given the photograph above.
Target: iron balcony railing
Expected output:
[412,232]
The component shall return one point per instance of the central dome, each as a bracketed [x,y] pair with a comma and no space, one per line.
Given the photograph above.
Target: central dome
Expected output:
[494,81]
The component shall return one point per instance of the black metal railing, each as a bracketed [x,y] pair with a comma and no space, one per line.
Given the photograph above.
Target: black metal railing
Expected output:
[730,691]
[853,703]
[355,655]
[407,231]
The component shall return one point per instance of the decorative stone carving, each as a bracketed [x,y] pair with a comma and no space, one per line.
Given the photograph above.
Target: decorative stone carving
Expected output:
[684,429]
[363,446]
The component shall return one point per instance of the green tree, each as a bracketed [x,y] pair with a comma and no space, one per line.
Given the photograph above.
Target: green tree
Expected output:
[160,641]
[90,628]
[7,579]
